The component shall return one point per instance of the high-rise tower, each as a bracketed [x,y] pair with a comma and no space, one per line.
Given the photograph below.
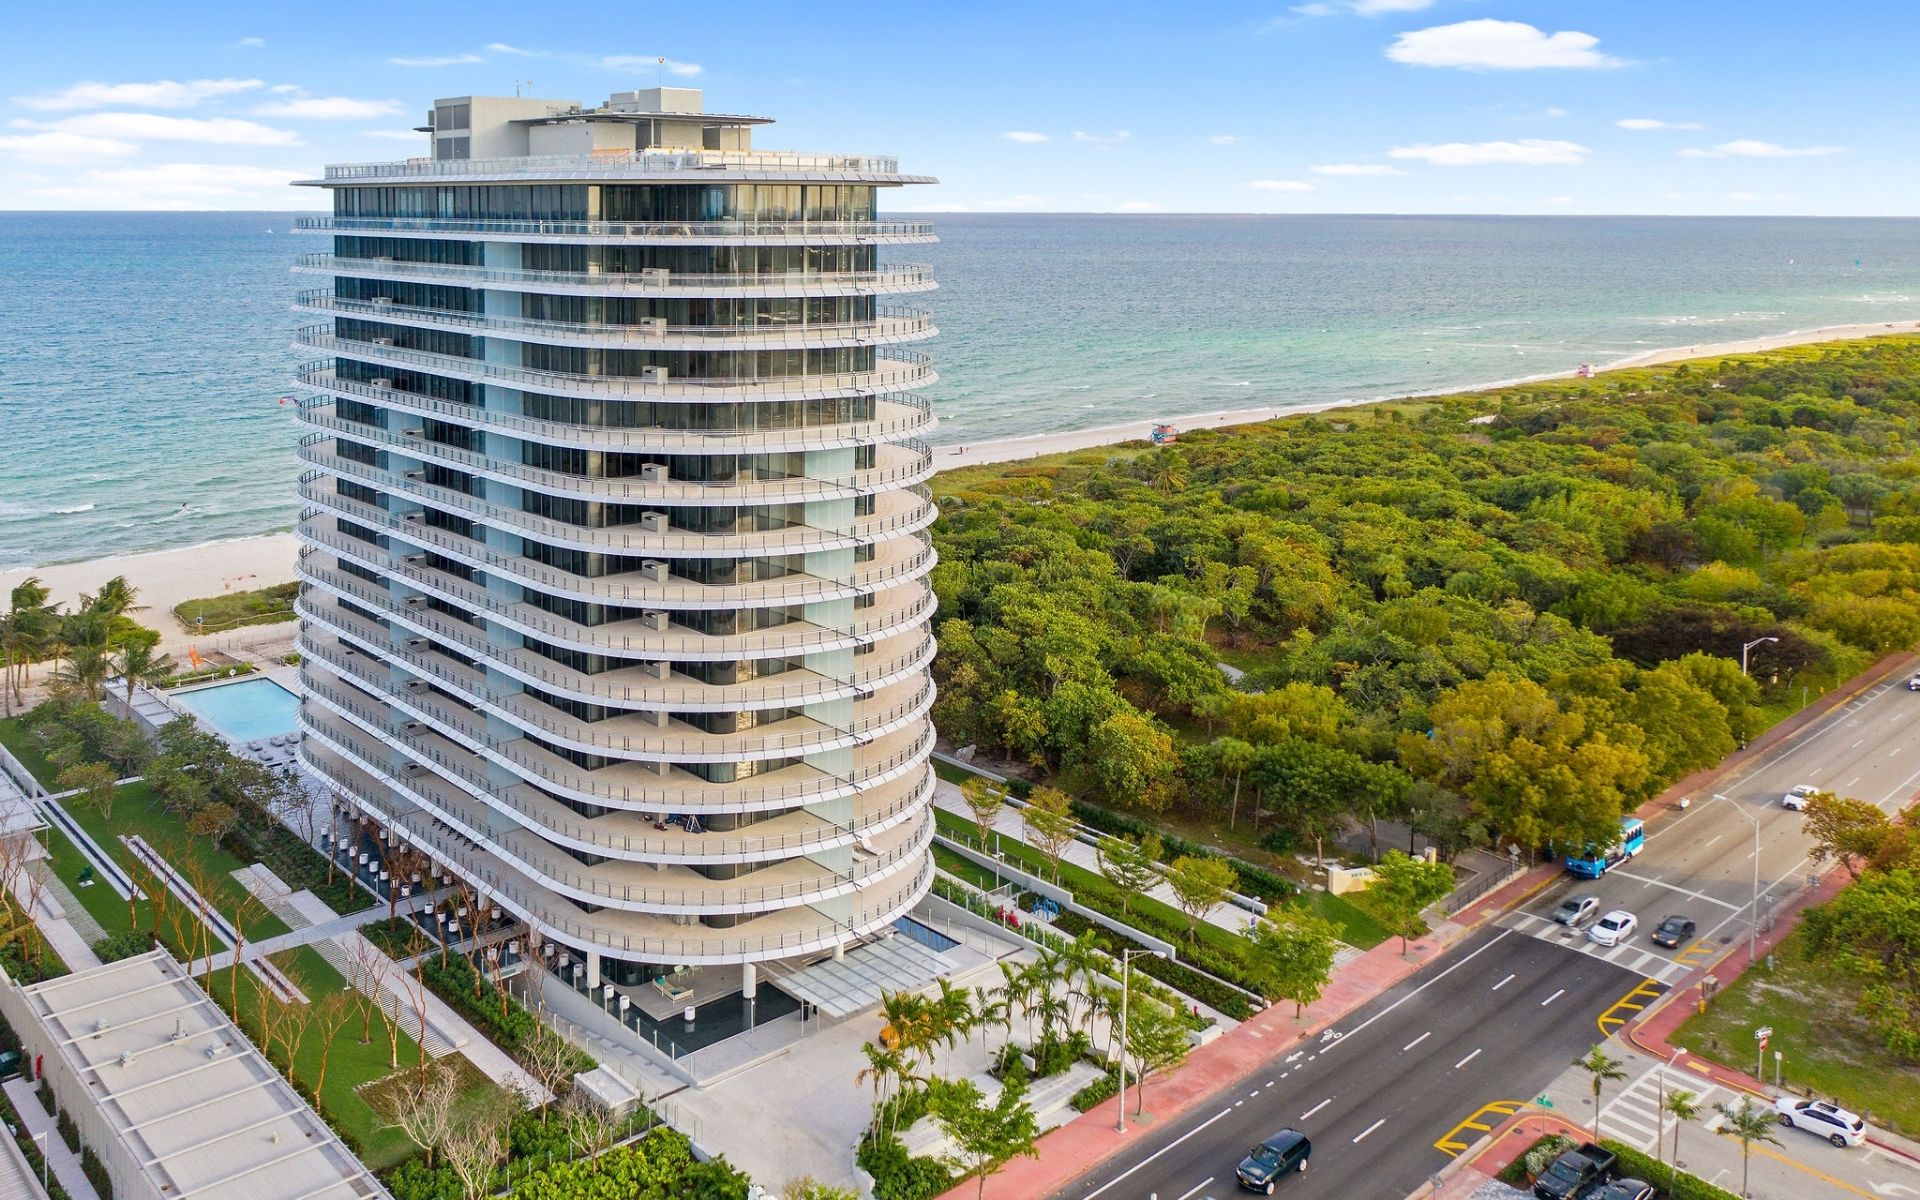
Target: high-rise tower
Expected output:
[614,545]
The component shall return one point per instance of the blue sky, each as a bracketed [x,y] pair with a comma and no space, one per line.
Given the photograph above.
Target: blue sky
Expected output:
[1520,106]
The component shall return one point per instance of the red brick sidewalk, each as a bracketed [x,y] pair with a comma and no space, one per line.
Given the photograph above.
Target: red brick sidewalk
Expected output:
[1247,1050]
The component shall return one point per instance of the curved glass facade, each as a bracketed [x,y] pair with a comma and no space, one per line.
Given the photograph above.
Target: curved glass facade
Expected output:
[614,601]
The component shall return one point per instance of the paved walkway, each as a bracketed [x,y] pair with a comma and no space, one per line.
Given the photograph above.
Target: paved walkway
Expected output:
[320,931]
[1010,825]
[65,1163]
[50,916]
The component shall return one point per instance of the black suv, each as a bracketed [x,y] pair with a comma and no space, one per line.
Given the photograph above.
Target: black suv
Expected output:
[1280,1154]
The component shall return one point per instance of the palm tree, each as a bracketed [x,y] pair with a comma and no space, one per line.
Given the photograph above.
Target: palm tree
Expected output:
[1017,988]
[1681,1107]
[83,645]
[114,599]
[990,1007]
[137,663]
[1603,1069]
[952,1015]
[884,1064]
[25,633]
[1750,1124]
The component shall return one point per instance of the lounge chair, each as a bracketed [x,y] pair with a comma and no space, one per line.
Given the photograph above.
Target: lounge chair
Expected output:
[671,991]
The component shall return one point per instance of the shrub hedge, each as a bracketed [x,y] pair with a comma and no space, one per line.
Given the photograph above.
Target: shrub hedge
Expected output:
[1175,974]
[1255,881]
[1645,1167]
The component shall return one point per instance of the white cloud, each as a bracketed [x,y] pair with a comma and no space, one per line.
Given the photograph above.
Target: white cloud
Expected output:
[1526,152]
[1281,185]
[175,186]
[162,93]
[1101,140]
[127,126]
[1556,112]
[1643,124]
[1224,139]
[285,89]
[434,60]
[59,147]
[1136,206]
[398,135]
[1026,137]
[1356,170]
[1489,45]
[1303,10]
[1373,8]
[640,62]
[503,48]
[1748,148]
[328,108]
[250,43]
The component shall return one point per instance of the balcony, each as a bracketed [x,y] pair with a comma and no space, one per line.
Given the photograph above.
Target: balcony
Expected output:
[902,464]
[894,279]
[440,735]
[897,417]
[686,166]
[894,371]
[636,233]
[890,326]
[782,934]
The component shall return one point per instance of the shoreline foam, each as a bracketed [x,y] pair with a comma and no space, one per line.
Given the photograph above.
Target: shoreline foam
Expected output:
[168,576]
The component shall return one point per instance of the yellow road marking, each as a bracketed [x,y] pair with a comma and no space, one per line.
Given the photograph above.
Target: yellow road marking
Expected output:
[1619,1012]
[1695,954]
[1450,1143]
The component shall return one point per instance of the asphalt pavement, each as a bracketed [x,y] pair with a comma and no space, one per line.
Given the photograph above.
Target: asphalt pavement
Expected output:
[1394,1089]
[1376,1093]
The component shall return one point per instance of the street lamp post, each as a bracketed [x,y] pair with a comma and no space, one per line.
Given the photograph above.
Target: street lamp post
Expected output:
[1660,1113]
[1750,645]
[1753,910]
[1126,987]
[41,1137]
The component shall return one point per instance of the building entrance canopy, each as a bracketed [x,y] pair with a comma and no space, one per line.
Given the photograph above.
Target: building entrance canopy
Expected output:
[842,987]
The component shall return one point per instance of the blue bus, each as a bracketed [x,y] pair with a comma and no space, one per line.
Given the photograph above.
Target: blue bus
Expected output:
[1592,865]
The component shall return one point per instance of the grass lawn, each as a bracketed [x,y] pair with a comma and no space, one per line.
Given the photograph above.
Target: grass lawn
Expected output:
[231,610]
[1357,926]
[14,735]
[1828,1048]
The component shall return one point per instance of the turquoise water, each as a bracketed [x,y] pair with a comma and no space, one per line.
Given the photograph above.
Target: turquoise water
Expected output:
[143,356]
[248,711]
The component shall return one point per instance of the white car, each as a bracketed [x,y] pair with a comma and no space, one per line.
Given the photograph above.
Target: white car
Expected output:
[1831,1122]
[1798,797]
[1614,928]
[1913,685]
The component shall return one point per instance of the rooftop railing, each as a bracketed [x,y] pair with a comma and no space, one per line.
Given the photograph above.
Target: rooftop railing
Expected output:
[601,165]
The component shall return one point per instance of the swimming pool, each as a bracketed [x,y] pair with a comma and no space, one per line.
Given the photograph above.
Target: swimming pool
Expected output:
[247,711]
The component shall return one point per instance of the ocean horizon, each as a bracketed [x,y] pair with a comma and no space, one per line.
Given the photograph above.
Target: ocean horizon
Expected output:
[145,358]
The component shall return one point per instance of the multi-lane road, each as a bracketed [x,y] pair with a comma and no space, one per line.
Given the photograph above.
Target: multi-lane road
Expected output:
[1396,1086]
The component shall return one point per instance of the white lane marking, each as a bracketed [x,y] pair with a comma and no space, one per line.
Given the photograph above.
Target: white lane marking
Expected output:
[1710,841]
[1316,1108]
[1415,1042]
[1894,751]
[1851,782]
[1157,1153]
[1196,1187]
[1253,1093]
[1348,1037]
[1469,1058]
[1369,1129]
[1552,998]
[1503,983]
[1700,896]
[1856,745]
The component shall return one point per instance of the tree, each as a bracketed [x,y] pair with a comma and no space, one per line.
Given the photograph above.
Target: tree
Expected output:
[1871,931]
[591,1129]
[96,783]
[984,1136]
[952,1015]
[477,1142]
[1156,1038]
[1131,866]
[1050,824]
[1294,954]
[138,663]
[1134,759]
[329,1014]
[1403,888]
[984,801]
[551,1060]
[1682,1107]
[1844,830]
[213,821]
[26,632]
[1749,1123]
[1200,885]
[806,1188]
[1601,1070]
[1232,758]
[422,1107]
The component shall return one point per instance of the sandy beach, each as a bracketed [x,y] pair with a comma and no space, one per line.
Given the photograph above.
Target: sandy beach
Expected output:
[167,577]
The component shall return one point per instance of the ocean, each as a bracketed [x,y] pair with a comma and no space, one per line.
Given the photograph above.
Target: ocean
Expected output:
[144,356]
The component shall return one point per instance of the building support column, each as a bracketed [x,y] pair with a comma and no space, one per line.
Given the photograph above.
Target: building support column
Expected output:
[593,970]
[749,985]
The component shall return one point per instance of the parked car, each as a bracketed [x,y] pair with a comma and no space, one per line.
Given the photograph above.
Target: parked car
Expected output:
[1831,1122]
[1626,1189]
[1913,685]
[1614,928]
[1673,931]
[1573,1173]
[1281,1154]
[1798,797]
[1575,909]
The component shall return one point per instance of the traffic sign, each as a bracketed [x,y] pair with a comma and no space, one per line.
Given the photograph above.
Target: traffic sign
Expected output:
[1543,1100]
